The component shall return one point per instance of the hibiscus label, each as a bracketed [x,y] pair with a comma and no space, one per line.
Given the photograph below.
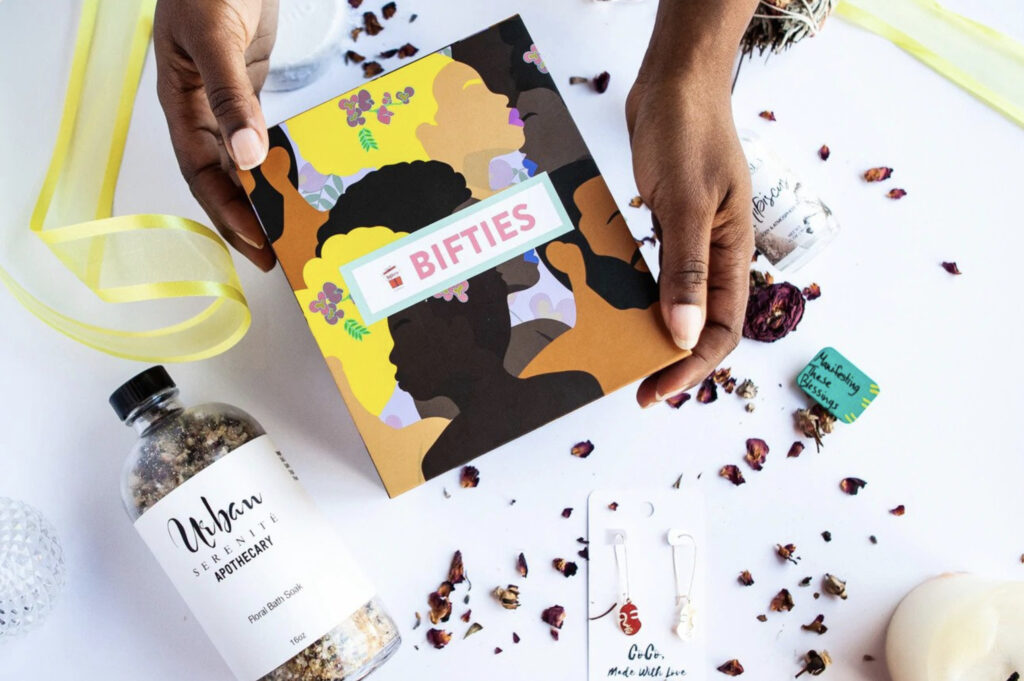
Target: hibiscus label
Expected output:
[837,385]
[438,259]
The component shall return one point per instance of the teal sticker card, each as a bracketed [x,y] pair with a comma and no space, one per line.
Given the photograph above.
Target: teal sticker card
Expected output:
[837,384]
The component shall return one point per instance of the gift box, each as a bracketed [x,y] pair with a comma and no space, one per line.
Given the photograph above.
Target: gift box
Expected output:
[457,255]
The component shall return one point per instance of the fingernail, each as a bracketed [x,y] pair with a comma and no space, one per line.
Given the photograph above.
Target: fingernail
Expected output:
[685,324]
[254,244]
[247,149]
[658,397]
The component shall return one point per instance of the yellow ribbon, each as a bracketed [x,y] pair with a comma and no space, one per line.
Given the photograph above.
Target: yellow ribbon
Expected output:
[130,258]
[986,63]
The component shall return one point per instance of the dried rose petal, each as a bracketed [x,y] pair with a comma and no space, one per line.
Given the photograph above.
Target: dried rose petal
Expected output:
[831,584]
[497,651]
[515,637]
[354,33]
[678,400]
[354,57]
[896,193]
[567,568]
[388,10]
[600,82]
[554,616]
[708,391]
[878,174]
[795,450]
[566,512]
[732,474]
[747,389]
[521,565]
[578,80]
[762,618]
[355,3]
[815,663]
[951,268]
[852,485]
[582,449]
[636,201]
[584,553]
[899,510]
[473,628]
[873,539]
[773,311]
[730,385]
[445,590]
[470,477]
[371,69]
[767,115]
[786,552]
[614,506]
[783,602]
[826,535]
[370,24]
[720,376]
[731,668]
[812,292]
[806,581]
[407,50]
[465,617]
[440,607]
[817,625]
[508,597]
[554,633]
[757,453]
[438,638]
[457,571]
[824,152]
[388,54]
[745,578]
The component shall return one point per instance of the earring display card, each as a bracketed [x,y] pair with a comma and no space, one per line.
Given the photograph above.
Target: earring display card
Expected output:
[646,584]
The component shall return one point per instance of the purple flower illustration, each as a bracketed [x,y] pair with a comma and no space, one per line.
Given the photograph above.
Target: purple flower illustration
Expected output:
[405,95]
[326,303]
[532,56]
[384,115]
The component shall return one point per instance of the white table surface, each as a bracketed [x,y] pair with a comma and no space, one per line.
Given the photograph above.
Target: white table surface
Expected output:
[942,438]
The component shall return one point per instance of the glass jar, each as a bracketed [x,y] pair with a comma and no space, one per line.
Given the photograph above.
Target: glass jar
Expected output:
[258,565]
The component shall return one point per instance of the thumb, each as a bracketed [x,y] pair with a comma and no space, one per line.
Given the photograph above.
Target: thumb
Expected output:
[685,247]
[233,102]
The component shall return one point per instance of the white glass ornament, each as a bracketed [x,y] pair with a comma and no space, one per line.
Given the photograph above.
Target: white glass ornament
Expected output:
[32,568]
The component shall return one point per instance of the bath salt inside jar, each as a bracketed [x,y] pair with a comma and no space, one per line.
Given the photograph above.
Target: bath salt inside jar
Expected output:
[261,569]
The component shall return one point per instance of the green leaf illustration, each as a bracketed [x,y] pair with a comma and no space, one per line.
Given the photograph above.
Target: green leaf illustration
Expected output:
[355,329]
[366,140]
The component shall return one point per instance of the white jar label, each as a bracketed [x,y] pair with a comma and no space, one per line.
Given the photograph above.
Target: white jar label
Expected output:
[259,566]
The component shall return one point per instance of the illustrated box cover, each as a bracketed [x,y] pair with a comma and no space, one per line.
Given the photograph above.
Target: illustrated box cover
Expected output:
[457,255]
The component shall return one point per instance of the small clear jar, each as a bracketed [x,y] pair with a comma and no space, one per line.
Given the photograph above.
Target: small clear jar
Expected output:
[176,445]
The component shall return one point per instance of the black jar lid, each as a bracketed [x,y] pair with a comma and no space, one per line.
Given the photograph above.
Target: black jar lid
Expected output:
[139,389]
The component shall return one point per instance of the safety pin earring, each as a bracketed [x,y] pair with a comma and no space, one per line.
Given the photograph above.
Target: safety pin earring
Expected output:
[682,544]
[629,618]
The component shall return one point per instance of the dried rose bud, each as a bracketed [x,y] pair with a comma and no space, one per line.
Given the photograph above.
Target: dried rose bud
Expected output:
[773,311]
[473,628]
[568,569]
[554,616]
[465,617]
[795,450]
[815,663]
[371,69]
[515,637]
[817,625]
[786,552]
[636,201]
[470,477]
[852,485]
[783,602]
[407,50]
[824,152]
[582,449]
[767,115]
[677,400]
[951,268]
[708,391]
[878,174]
[354,57]
[831,584]
[720,376]
[745,578]
[899,510]
[750,407]
[747,389]
[614,506]
[521,565]
[600,82]
[731,668]
[826,535]
[508,597]
[578,80]
[732,474]
[896,193]
[438,638]
[812,292]
[814,422]
[388,10]
[370,24]
[730,385]
[757,453]
[457,571]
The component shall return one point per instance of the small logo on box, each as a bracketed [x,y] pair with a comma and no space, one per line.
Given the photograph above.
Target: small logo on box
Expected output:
[394,277]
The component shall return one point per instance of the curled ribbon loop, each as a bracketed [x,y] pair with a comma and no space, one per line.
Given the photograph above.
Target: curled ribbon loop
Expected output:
[130,258]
